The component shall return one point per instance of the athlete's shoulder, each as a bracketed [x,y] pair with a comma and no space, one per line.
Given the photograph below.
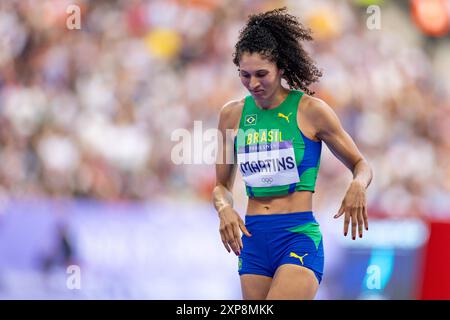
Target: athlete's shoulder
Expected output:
[232,106]
[313,104]
[321,116]
[315,108]
[230,113]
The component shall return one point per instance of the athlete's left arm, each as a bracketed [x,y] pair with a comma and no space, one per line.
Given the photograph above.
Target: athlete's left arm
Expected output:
[329,129]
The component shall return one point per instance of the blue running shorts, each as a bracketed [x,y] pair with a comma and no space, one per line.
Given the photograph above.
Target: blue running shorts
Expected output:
[278,239]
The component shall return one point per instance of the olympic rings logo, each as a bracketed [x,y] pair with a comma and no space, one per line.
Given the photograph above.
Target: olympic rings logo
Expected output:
[267,180]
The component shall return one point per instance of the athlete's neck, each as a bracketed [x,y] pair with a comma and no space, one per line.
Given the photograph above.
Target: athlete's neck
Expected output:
[273,101]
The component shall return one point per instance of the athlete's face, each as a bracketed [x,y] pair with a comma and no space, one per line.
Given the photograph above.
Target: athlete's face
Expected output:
[260,76]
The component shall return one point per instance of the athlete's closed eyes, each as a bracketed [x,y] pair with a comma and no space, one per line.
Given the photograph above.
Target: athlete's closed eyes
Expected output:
[259,74]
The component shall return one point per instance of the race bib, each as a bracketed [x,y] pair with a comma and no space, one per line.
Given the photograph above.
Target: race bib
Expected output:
[268,164]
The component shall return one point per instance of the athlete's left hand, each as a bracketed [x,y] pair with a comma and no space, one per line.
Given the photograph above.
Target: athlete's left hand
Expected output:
[355,208]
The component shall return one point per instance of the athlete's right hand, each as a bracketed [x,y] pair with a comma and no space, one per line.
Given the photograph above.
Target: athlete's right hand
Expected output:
[230,223]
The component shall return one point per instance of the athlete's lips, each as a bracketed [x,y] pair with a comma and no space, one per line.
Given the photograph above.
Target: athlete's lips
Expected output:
[257,92]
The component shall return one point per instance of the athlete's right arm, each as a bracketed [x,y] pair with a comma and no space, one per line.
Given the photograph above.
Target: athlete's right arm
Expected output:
[230,221]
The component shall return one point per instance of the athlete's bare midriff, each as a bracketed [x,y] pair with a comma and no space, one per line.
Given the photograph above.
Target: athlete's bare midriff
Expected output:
[294,202]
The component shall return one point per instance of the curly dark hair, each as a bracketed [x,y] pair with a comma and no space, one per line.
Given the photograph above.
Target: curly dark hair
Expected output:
[276,35]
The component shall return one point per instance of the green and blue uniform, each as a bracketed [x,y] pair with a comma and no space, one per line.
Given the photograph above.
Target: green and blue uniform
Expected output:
[275,158]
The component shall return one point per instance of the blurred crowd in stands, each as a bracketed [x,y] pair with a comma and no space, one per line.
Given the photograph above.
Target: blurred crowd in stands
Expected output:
[89,113]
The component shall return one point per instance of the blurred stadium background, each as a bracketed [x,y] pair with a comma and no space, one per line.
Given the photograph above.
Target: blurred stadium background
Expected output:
[86,119]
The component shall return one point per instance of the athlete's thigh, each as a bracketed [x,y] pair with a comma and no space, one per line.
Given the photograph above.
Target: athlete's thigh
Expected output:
[254,286]
[293,282]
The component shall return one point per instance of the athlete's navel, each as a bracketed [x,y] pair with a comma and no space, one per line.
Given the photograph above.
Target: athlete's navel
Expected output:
[266,207]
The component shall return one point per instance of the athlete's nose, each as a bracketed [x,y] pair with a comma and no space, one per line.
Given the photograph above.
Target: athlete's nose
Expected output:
[254,83]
